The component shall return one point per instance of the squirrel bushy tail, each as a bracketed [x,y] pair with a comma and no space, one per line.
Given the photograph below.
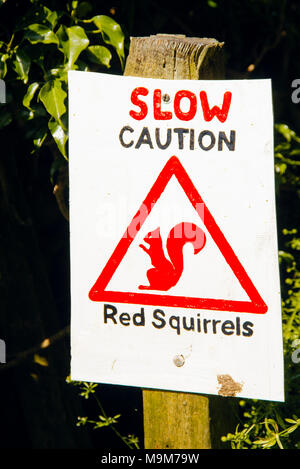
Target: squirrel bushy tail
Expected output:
[179,236]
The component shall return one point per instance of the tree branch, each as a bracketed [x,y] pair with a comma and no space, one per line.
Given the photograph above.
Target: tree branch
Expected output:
[22,356]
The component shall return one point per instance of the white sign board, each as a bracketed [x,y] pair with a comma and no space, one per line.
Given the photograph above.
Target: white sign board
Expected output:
[174,267]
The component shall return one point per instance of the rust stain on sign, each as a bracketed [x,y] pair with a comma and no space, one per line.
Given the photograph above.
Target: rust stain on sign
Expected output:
[228,386]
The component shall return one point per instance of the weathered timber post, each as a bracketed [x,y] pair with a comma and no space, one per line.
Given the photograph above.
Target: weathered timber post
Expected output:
[175,58]
[172,419]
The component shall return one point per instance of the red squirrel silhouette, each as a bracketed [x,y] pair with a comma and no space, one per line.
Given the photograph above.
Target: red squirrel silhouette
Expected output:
[166,273]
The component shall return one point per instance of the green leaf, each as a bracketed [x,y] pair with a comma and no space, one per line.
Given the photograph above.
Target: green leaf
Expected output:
[283,146]
[39,33]
[38,142]
[99,55]
[59,136]
[285,131]
[53,96]
[81,421]
[287,160]
[21,65]
[37,132]
[280,168]
[112,34]
[3,66]
[52,17]
[60,72]
[31,90]
[73,41]
[286,256]
[290,420]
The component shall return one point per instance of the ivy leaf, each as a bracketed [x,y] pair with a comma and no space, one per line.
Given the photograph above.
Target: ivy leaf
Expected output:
[99,55]
[52,17]
[59,136]
[21,65]
[31,90]
[112,34]
[53,96]
[39,33]
[73,41]
[3,66]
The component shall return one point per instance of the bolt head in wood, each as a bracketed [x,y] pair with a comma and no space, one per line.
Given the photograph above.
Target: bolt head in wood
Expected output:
[179,360]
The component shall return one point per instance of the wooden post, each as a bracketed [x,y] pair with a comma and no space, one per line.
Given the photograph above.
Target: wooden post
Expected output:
[175,58]
[176,420]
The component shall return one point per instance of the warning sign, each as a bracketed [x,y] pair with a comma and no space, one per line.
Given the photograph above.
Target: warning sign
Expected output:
[167,272]
[174,269]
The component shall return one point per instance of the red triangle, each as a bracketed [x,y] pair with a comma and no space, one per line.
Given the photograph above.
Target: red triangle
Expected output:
[98,292]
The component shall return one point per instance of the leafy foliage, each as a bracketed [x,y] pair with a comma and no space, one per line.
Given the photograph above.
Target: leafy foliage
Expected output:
[43,47]
[262,435]
[266,425]
[90,389]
